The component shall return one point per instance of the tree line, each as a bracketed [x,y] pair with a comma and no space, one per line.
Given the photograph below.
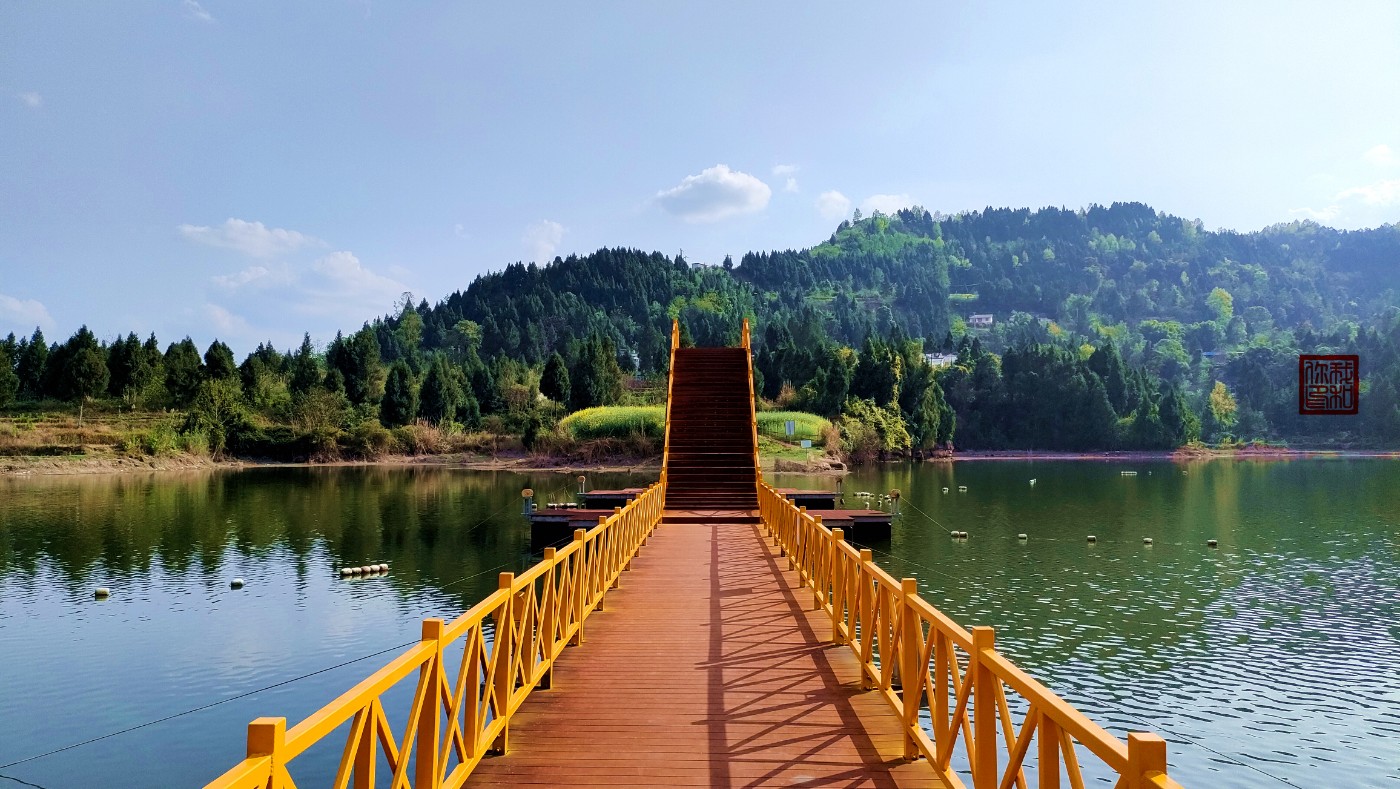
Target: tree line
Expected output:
[1135,329]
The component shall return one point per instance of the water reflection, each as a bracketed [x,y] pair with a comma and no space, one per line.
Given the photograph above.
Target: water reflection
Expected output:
[1278,648]
[173,635]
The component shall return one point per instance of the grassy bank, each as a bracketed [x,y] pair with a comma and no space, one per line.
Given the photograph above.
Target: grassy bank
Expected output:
[53,436]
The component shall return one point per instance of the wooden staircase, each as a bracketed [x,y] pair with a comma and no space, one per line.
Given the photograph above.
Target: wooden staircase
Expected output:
[710,438]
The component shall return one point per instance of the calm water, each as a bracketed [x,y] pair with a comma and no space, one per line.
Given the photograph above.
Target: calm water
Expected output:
[1278,650]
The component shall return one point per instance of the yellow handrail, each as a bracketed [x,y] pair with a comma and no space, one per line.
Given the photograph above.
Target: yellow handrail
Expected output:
[469,676]
[745,341]
[924,663]
[670,385]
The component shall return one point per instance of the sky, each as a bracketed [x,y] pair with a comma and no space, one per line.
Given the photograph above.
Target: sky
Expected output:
[255,170]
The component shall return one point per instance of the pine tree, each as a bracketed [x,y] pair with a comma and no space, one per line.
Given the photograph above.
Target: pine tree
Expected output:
[32,366]
[400,403]
[9,382]
[218,363]
[306,372]
[182,371]
[554,382]
[440,396]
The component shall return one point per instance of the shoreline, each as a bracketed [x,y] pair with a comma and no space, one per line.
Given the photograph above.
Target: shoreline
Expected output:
[69,465]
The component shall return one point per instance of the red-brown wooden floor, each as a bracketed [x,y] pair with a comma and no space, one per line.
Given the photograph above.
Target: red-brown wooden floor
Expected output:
[707,668]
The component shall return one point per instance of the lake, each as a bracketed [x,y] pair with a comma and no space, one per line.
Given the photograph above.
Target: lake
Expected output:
[1275,654]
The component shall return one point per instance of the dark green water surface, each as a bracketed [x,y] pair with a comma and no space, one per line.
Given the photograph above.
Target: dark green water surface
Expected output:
[1277,652]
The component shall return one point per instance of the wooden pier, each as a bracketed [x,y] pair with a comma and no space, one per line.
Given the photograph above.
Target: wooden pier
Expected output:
[708,668]
[711,632]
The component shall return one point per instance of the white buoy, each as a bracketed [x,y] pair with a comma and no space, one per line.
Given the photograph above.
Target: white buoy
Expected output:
[101,592]
[345,572]
[1032,482]
[1211,543]
[236,583]
[955,534]
[945,490]
[962,488]
[1146,540]
[1092,538]
[1022,537]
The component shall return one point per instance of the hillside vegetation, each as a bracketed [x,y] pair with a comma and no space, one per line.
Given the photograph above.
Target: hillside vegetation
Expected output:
[1112,327]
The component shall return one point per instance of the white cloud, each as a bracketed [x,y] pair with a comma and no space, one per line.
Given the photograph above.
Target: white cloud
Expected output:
[30,98]
[1382,156]
[1318,214]
[886,204]
[194,10]
[346,284]
[1380,193]
[256,276]
[23,314]
[460,230]
[787,171]
[716,193]
[542,239]
[225,323]
[251,238]
[833,205]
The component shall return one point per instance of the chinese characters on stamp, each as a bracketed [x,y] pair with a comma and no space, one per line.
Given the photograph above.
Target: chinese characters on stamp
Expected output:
[1328,384]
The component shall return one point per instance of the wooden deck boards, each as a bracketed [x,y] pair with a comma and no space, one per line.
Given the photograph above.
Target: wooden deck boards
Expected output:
[707,668]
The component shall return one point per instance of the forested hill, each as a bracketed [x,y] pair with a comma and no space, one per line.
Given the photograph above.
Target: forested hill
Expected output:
[1099,272]
[1110,327]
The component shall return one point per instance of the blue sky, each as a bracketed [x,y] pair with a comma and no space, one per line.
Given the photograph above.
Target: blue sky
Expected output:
[251,170]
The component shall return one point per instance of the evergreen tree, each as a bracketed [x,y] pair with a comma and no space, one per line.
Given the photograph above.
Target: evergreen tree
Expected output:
[400,403]
[554,382]
[71,372]
[1179,425]
[1108,365]
[9,382]
[306,371]
[86,374]
[596,378]
[32,366]
[218,363]
[182,371]
[440,396]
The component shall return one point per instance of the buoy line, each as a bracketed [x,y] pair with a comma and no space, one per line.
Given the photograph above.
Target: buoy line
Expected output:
[246,694]
[1101,702]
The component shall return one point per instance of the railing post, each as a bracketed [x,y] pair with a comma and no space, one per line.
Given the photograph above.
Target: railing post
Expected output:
[1147,756]
[623,548]
[911,674]
[580,583]
[266,737]
[863,606]
[816,574]
[838,588]
[503,655]
[984,709]
[1048,752]
[425,772]
[549,623]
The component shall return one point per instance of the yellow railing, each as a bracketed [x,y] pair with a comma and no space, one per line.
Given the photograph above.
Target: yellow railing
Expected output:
[745,341]
[670,386]
[468,683]
[953,676]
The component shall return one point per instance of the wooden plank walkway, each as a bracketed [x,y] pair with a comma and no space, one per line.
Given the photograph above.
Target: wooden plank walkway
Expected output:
[707,668]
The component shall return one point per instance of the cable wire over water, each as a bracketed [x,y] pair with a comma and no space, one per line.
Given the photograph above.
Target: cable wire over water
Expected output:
[273,686]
